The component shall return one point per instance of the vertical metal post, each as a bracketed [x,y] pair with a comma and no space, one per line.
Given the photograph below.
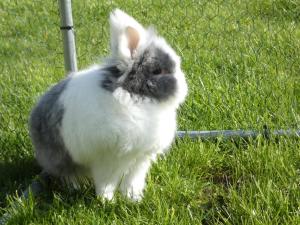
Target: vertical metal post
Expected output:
[68,35]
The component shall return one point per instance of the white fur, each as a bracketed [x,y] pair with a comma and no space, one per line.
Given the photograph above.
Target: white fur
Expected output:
[119,21]
[116,135]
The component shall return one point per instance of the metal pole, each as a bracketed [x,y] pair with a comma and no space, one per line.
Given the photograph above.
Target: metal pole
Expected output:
[68,35]
[229,134]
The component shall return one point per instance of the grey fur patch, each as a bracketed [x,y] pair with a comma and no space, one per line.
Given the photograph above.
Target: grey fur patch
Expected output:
[45,125]
[110,82]
[151,75]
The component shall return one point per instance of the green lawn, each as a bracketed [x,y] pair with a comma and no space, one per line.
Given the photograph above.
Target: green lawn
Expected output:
[242,62]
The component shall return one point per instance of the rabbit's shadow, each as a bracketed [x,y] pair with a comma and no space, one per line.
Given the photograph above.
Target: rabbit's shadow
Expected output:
[15,176]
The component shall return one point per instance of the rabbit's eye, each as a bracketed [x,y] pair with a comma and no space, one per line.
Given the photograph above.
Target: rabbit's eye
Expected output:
[157,71]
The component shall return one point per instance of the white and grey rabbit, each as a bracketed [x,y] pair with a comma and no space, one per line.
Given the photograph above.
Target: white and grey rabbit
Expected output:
[110,122]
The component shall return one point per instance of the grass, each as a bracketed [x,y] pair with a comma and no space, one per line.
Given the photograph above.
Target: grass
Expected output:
[242,63]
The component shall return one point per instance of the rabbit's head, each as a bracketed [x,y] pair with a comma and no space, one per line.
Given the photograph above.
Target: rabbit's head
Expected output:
[145,65]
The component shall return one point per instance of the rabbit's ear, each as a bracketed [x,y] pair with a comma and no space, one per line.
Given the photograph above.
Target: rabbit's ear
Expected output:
[127,35]
[133,38]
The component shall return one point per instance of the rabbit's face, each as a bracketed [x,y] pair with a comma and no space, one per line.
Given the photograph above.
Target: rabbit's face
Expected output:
[146,65]
[152,73]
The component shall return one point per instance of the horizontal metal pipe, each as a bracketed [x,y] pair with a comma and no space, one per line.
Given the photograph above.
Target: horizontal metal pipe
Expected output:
[228,134]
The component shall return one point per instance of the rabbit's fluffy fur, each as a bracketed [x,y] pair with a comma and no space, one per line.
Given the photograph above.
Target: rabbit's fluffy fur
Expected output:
[109,122]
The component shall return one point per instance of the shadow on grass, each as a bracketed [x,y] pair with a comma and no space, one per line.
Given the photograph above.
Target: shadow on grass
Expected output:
[15,176]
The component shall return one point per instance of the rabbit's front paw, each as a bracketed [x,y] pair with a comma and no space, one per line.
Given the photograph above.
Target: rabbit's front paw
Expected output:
[106,192]
[135,194]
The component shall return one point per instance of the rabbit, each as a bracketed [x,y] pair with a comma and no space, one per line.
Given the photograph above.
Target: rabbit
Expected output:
[111,121]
